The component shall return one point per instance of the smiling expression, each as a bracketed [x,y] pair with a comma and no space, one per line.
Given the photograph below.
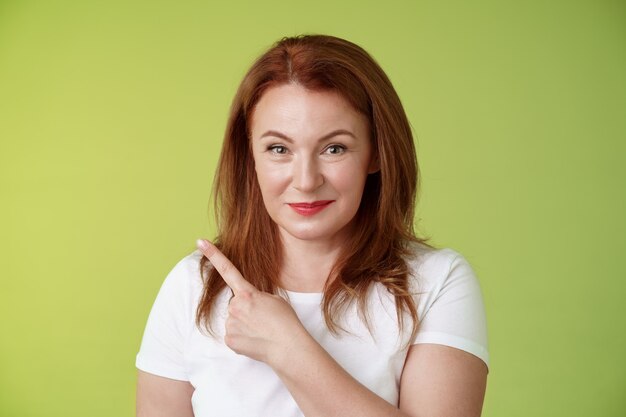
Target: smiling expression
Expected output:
[312,154]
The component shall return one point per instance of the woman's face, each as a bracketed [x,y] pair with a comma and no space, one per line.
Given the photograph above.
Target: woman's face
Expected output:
[312,154]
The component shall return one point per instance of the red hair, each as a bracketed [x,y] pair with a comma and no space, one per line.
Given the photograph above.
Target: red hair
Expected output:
[377,249]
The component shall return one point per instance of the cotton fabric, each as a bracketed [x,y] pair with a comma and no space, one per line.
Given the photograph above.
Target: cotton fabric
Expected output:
[450,309]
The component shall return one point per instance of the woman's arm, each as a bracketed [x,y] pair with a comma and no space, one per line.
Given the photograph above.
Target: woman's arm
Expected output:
[163,397]
[437,380]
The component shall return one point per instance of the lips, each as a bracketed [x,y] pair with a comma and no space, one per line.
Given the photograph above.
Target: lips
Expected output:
[311,205]
[309,209]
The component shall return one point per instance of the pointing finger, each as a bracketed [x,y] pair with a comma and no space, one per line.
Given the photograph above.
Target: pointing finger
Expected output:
[226,269]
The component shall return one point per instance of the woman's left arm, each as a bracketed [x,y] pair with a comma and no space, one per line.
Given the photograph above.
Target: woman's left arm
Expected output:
[439,380]
[436,381]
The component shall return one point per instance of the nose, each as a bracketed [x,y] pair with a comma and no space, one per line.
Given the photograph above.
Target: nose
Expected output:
[307,176]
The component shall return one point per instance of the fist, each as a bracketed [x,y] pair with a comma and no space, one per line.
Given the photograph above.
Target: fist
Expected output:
[259,325]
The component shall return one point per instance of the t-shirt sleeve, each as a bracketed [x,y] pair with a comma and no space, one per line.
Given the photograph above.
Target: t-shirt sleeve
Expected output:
[162,350]
[453,312]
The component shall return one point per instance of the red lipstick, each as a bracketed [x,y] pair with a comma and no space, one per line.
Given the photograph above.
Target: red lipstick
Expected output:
[309,209]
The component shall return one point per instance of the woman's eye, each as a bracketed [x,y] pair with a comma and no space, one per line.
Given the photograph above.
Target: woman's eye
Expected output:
[278,149]
[335,149]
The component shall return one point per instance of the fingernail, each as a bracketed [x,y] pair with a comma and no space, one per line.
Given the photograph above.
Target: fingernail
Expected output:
[202,245]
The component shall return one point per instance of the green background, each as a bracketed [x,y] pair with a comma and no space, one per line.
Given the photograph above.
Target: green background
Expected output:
[111,119]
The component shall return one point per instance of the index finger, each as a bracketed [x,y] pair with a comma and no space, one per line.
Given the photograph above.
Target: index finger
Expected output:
[224,266]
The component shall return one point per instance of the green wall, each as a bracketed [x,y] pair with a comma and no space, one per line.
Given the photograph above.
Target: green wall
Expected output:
[111,118]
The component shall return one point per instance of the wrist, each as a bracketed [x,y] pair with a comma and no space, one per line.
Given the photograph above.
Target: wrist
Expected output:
[293,352]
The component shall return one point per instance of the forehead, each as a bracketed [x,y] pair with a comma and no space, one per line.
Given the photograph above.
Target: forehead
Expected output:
[293,109]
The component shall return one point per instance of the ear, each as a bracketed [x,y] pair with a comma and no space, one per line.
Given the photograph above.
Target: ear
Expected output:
[374,165]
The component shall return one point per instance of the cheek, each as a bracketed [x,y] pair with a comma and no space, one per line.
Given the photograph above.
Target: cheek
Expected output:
[272,178]
[349,178]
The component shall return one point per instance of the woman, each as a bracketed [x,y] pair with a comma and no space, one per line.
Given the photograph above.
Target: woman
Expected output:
[317,298]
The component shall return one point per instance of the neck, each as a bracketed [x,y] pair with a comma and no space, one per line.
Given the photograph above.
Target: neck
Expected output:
[306,263]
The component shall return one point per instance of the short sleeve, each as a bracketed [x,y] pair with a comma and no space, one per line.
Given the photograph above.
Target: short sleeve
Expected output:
[162,350]
[452,310]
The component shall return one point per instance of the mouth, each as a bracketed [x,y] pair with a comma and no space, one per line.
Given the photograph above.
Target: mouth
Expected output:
[309,209]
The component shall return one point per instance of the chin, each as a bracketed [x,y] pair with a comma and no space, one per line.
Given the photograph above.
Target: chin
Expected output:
[305,234]
[311,232]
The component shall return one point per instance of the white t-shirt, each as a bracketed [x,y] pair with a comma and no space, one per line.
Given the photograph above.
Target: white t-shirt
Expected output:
[450,309]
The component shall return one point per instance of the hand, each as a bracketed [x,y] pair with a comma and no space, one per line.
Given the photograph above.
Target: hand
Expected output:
[260,325]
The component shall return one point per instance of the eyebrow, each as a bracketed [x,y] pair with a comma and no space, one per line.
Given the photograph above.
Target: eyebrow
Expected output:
[323,138]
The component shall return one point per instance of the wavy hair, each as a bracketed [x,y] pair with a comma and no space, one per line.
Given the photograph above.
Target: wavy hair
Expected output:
[376,251]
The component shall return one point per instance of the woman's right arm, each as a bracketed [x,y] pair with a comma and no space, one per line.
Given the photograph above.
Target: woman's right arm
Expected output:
[163,397]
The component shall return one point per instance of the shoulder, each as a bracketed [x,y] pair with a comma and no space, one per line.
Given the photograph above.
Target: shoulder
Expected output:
[440,273]
[171,320]
[190,264]
[185,276]
[449,298]
[430,268]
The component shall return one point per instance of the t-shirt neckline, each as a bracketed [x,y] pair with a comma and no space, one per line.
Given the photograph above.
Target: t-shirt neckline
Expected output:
[303,297]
